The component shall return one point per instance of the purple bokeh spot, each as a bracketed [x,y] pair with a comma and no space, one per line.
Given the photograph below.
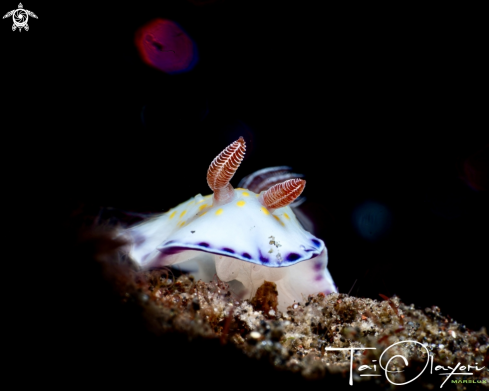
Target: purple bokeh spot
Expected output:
[228,250]
[476,170]
[316,242]
[246,255]
[164,45]
[319,277]
[203,244]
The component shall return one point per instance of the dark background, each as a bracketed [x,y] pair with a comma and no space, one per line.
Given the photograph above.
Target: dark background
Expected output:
[378,105]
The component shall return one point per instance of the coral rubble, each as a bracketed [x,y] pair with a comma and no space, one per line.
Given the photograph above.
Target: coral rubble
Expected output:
[301,339]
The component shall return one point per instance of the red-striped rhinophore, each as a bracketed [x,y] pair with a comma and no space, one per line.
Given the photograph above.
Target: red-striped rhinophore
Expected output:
[225,165]
[283,194]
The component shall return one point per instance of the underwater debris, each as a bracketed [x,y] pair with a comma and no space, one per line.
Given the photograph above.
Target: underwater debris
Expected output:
[266,299]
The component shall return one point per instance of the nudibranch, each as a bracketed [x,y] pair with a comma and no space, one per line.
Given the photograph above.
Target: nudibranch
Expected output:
[244,237]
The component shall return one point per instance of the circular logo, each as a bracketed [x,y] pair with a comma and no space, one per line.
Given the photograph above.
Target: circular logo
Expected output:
[20,17]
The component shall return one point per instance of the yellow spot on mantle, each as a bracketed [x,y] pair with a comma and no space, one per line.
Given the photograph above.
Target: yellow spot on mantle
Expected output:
[286,216]
[203,213]
[173,214]
[200,201]
[245,194]
[202,206]
[264,210]
[278,219]
[219,211]
[182,224]
[183,213]
[241,203]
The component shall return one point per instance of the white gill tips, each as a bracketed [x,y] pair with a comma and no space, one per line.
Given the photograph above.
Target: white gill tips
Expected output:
[225,165]
[282,194]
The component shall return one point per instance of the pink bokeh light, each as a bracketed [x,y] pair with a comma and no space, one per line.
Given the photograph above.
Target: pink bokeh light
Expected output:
[476,170]
[164,45]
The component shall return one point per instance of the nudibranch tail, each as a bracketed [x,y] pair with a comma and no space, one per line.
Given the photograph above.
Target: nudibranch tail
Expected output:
[222,170]
[282,194]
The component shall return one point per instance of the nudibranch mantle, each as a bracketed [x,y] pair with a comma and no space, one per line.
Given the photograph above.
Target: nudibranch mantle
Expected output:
[244,237]
[243,229]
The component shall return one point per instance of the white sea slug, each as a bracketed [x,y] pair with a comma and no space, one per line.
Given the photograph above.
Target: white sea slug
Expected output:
[244,237]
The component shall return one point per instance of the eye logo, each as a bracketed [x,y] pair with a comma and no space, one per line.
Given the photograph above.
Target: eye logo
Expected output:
[20,17]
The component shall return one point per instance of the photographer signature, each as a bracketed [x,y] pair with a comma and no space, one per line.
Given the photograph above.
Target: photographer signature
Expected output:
[429,359]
